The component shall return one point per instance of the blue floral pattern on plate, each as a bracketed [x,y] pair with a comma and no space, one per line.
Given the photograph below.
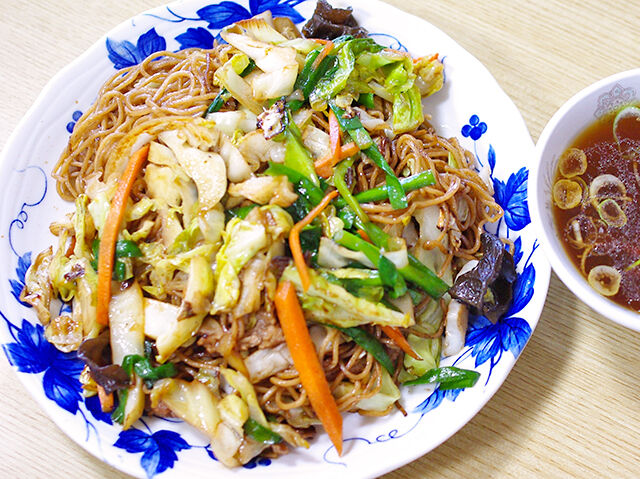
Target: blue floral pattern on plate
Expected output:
[157,447]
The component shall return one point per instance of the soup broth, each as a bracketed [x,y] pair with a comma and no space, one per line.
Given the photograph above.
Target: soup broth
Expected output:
[596,205]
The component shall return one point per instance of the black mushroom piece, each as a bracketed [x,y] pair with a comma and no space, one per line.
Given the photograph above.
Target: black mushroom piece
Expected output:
[488,288]
[329,23]
[96,354]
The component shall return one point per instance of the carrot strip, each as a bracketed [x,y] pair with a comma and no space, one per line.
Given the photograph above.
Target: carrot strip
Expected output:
[106,400]
[294,238]
[398,338]
[110,233]
[306,362]
[363,234]
[328,46]
[348,150]
[324,166]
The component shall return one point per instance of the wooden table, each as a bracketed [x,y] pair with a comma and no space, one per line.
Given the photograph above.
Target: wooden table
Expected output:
[570,407]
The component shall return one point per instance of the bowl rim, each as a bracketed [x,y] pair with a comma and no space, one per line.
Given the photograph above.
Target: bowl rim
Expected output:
[552,247]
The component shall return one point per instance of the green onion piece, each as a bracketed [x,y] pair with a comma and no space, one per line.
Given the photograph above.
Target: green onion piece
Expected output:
[397,196]
[241,211]
[354,127]
[327,68]
[127,249]
[341,185]
[304,186]
[633,265]
[449,377]
[366,99]
[415,272]
[297,157]
[388,271]
[221,98]
[259,433]
[143,369]
[223,95]
[370,343]
[380,193]
[307,69]
[355,243]
[118,413]
[421,276]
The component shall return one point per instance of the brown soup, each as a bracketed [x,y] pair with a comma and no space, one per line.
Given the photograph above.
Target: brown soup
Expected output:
[596,205]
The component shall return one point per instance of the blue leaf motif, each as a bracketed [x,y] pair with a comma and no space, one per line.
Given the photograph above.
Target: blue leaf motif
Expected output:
[92,403]
[31,353]
[523,290]
[222,14]
[150,42]
[515,333]
[484,339]
[491,157]
[517,250]
[512,196]
[159,449]
[195,38]
[122,54]
[125,54]
[63,387]
[24,262]
[436,398]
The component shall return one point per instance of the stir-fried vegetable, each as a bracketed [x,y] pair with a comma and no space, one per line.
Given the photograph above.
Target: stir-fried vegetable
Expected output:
[306,361]
[110,232]
[449,377]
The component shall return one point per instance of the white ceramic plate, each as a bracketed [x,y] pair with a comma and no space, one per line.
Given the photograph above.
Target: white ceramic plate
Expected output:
[471,106]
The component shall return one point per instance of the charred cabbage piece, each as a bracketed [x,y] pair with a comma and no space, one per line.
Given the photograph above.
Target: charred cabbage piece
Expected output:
[488,288]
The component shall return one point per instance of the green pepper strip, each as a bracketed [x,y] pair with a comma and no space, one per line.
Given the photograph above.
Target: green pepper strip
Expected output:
[449,377]
[224,94]
[370,343]
[143,368]
[361,137]
[261,434]
[380,193]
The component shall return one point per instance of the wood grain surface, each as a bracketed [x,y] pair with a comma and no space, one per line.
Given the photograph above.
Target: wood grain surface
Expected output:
[570,407]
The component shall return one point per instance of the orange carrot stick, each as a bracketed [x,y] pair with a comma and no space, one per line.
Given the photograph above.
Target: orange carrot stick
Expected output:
[363,234]
[328,46]
[306,362]
[106,400]
[110,233]
[398,338]
[324,166]
[348,150]
[294,238]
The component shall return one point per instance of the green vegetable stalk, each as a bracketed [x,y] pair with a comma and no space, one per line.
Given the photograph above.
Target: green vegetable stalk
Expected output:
[361,137]
[260,433]
[223,96]
[449,377]
[380,193]
[370,343]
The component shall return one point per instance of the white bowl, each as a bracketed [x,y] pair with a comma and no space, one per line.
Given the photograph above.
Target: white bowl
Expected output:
[570,120]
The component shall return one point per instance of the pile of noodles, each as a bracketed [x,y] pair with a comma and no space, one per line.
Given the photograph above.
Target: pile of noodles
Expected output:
[181,85]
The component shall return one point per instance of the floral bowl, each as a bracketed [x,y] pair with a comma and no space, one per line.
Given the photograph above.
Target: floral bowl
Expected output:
[470,106]
[566,124]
